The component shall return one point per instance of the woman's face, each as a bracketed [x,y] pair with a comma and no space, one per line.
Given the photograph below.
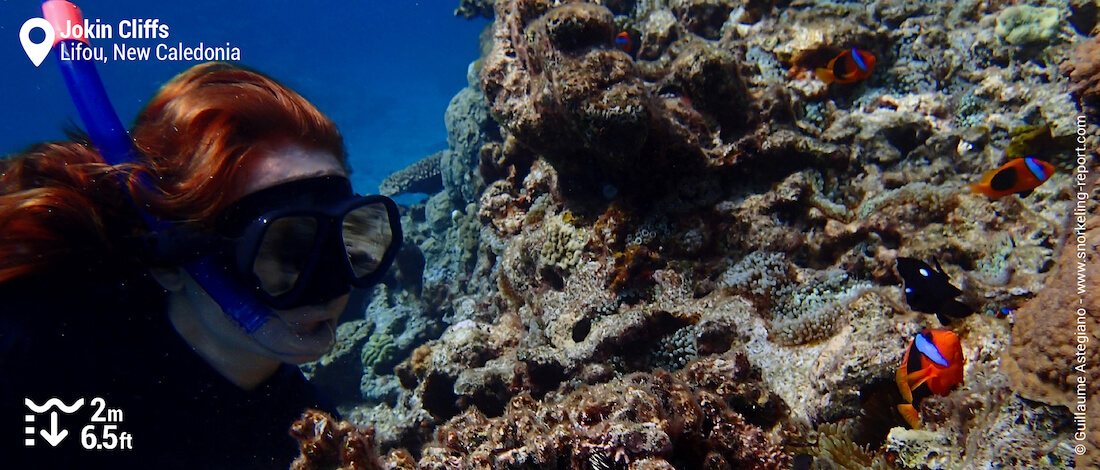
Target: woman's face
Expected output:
[295,335]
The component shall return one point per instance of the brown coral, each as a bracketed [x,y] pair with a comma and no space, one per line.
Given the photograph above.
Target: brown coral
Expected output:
[1053,355]
[703,17]
[330,444]
[1084,74]
[555,82]
[653,418]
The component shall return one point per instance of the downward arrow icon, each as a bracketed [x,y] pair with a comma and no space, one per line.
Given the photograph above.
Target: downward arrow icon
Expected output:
[54,436]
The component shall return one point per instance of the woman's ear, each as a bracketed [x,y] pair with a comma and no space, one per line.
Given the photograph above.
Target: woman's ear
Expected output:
[170,278]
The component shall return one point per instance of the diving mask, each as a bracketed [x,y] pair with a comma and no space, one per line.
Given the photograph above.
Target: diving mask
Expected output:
[308,241]
[299,243]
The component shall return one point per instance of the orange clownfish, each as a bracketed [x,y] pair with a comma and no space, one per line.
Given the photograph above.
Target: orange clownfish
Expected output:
[623,42]
[933,363]
[1018,176]
[850,66]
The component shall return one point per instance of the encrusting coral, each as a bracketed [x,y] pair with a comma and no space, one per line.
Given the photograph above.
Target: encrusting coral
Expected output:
[644,420]
[651,420]
[554,81]
[1084,74]
[1025,24]
[1053,358]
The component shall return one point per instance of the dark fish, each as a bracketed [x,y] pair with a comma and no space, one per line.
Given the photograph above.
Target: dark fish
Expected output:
[929,290]
[802,462]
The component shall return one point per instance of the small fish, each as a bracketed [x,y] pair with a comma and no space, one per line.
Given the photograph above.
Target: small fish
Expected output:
[623,42]
[933,363]
[850,66]
[929,290]
[1005,312]
[802,462]
[1019,176]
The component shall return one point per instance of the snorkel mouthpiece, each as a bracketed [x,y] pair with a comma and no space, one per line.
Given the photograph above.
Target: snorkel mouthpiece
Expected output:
[115,146]
[248,313]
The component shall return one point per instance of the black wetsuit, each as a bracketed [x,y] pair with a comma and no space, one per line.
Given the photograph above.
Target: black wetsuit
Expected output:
[64,337]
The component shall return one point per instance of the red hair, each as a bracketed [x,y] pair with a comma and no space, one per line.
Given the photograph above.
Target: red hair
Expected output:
[60,200]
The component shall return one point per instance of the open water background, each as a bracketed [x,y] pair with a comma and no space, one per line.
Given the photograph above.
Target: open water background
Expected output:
[383,70]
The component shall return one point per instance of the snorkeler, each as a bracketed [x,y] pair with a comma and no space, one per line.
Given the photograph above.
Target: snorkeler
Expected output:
[245,182]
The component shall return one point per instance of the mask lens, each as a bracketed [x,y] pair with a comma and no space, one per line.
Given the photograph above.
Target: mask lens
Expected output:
[284,253]
[366,234]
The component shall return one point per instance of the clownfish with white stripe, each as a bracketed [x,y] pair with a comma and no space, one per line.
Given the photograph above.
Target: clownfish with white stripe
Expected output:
[933,364]
[1019,176]
[850,66]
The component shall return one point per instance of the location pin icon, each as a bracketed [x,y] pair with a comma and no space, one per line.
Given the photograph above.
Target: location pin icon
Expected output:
[37,52]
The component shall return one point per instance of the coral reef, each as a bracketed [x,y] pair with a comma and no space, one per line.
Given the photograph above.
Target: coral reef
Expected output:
[469,127]
[474,8]
[330,444]
[1025,24]
[682,255]
[555,83]
[642,421]
[1051,359]
[563,245]
[1084,75]
[337,374]
[421,177]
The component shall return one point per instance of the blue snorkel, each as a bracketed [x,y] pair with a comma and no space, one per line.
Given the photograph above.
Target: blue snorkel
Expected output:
[115,146]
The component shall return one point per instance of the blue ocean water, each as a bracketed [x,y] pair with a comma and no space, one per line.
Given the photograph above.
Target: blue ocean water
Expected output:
[384,71]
